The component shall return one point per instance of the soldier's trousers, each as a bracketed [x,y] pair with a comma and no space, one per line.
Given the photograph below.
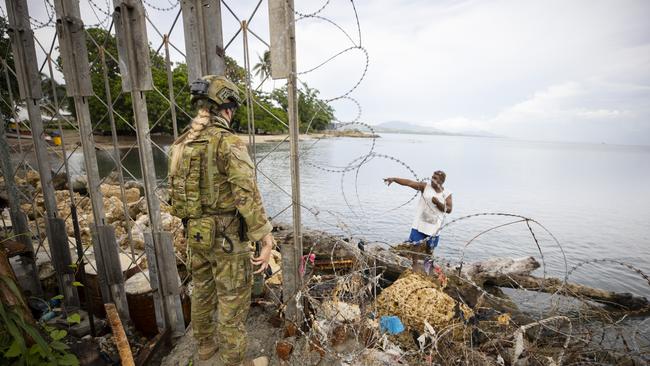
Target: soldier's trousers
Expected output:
[222,285]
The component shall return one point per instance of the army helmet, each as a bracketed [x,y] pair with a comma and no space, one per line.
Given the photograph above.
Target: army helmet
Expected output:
[217,89]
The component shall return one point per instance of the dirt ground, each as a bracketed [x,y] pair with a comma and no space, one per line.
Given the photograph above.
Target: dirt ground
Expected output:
[262,336]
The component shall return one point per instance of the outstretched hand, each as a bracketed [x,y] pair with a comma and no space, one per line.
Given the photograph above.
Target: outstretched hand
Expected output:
[388,181]
[265,253]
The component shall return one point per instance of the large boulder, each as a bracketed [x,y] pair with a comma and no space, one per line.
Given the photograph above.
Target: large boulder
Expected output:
[130,194]
[59,180]
[170,223]
[32,178]
[134,184]
[174,225]
[137,233]
[114,209]
[137,208]
[79,183]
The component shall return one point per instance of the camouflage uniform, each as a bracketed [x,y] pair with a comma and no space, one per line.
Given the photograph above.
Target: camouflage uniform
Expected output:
[221,267]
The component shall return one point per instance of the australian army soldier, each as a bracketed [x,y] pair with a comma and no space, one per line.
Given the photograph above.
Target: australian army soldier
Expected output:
[213,190]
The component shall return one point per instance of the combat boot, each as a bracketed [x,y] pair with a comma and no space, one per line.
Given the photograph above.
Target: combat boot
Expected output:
[207,348]
[260,361]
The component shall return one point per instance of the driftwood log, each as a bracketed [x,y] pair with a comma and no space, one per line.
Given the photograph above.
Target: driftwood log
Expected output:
[516,273]
[624,301]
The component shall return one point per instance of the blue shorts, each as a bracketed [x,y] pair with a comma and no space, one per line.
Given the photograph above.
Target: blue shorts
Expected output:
[417,236]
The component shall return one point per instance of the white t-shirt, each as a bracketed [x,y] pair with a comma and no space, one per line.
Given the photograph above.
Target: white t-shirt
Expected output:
[428,218]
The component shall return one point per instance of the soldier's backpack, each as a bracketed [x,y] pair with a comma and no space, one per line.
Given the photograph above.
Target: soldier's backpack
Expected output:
[192,169]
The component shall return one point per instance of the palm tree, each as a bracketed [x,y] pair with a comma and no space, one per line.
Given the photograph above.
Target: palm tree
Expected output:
[263,68]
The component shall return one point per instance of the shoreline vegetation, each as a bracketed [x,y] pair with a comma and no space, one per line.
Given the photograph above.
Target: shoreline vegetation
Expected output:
[71,138]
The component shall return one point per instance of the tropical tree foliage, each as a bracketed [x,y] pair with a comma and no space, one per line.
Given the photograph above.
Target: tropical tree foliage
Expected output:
[263,68]
[54,92]
[313,113]
[269,109]
[7,56]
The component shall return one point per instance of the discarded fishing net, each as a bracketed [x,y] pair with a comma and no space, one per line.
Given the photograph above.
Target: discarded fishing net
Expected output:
[414,298]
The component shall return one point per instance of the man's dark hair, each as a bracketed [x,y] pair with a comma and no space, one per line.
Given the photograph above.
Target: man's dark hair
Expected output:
[444,176]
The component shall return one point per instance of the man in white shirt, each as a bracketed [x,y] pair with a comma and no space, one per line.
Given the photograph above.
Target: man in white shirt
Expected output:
[435,202]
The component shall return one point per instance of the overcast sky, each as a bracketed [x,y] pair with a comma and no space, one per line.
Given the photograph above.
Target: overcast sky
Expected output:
[563,70]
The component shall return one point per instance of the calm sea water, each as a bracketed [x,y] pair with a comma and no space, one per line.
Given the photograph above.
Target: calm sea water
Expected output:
[595,199]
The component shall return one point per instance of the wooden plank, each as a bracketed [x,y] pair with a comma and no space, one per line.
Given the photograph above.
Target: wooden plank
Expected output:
[72,47]
[119,336]
[152,347]
[61,260]
[132,45]
[170,281]
[291,276]
[112,268]
[280,42]
[24,52]
[152,264]
[203,33]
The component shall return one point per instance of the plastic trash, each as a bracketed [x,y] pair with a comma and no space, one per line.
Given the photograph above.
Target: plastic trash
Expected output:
[48,316]
[391,324]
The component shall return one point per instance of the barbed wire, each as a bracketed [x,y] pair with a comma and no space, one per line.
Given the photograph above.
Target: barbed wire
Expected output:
[101,21]
[107,12]
[172,6]
[49,10]
[455,343]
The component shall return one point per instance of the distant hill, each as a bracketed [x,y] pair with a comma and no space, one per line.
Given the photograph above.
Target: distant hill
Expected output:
[401,126]
[407,127]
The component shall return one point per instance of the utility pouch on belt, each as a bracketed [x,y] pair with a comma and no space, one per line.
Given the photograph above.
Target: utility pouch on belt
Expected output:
[201,232]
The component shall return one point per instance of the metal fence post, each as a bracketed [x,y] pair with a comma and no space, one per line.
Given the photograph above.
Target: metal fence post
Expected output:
[29,82]
[294,130]
[283,54]
[249,95]
[135,67]
[204,51]
[18,218]
[76,70]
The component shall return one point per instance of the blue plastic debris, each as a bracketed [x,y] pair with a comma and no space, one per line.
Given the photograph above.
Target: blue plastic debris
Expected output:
[391,324]
[48,316]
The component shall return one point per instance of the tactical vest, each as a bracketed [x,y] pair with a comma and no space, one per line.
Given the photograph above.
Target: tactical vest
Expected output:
[193,174]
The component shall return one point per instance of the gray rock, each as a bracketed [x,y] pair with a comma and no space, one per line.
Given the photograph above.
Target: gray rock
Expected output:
[79,183]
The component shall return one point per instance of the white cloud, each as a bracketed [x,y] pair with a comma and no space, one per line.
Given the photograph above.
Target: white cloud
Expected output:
[601,113]
[559,113]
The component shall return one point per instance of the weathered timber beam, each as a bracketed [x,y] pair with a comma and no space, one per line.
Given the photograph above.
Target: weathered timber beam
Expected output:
[627,301]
